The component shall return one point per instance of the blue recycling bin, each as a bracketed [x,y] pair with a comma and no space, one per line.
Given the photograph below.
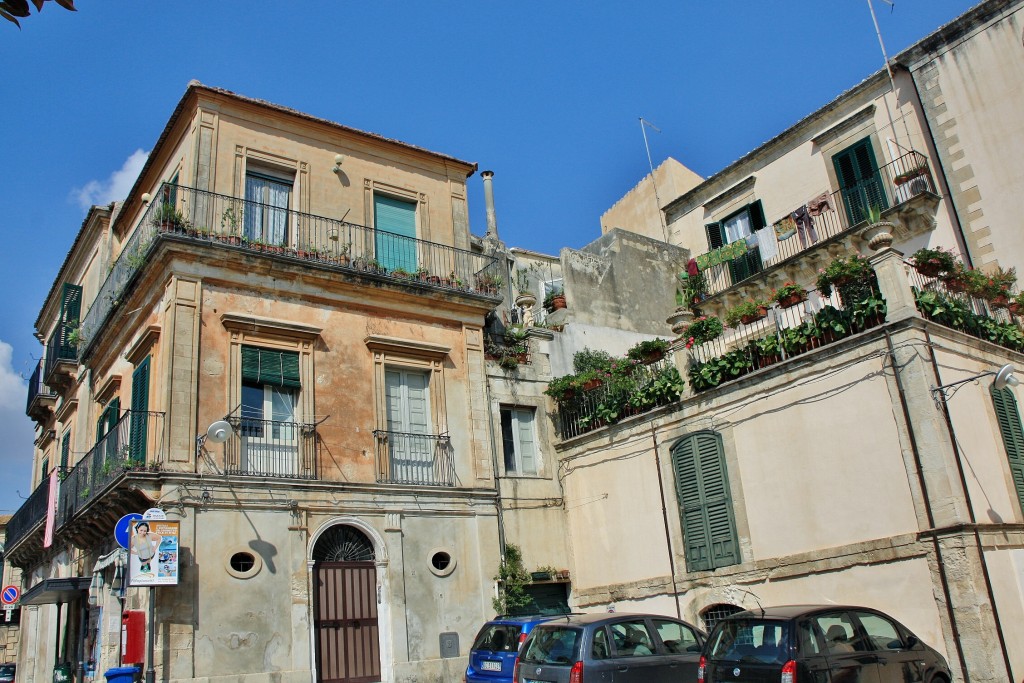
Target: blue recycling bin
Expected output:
[121,674]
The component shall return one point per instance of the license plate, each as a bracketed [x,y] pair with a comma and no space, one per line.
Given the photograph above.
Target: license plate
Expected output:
[490,666]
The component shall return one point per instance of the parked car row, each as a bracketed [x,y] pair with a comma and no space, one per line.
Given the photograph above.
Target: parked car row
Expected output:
[792,644]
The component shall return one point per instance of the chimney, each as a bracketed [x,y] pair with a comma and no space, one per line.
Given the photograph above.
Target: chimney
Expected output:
[492,219]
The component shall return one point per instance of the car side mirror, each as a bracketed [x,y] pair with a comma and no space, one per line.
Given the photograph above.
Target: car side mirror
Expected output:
[912,641]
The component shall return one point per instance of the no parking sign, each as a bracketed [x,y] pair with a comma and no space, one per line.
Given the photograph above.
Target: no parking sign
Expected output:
[10,595]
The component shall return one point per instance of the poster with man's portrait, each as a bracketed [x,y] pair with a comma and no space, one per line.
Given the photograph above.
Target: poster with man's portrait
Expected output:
[153,553]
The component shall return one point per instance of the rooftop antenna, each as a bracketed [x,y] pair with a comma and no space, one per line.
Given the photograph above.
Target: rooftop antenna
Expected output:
[892,80]
[644,123]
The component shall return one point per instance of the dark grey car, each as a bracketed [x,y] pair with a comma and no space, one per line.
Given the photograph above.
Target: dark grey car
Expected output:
[626,648]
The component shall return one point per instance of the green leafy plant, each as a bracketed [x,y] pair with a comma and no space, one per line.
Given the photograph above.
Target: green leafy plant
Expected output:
[787,291]
[996,283]
[512,579]
[562,388]
[553,293]
[711,373]
[934,262]
[648,348]
[746,310]
[589,359]
[703,329]
[843,271]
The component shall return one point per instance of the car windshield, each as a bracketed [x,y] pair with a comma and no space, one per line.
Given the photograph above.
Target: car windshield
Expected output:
[497,638]
[552,645]
[750,640]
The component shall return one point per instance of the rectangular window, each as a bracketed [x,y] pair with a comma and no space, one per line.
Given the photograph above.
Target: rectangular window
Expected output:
[266,211]
[1008,417]
[518,440]
[44,470]
[268,429]
[410,439]
[860,183]
[139,429]
[702,484]
[739,225]
[65,450]
[394,222]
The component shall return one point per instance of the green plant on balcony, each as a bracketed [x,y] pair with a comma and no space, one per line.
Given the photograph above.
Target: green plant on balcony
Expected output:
[74,334]
[84,493]
[910,174]
[703,329]
[767,350]
[648,350]
[996,286]
[695,287]
[562,388]
[508,361]
[401,273]
[665,387]
[746,312]
[711,373]
[554,299]
[833,323]
[589,359]
[167,218]
[800,338]
[843,271]
[489,282]
[789,294]
[935,262]
[512,579]
[230,220]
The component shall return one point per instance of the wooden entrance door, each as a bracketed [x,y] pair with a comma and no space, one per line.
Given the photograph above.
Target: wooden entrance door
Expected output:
[345,622]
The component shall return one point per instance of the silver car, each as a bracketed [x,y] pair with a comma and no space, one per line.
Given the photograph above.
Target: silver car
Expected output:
[632,648]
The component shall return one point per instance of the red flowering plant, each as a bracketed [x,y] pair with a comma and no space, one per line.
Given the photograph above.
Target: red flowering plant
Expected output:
[788,290]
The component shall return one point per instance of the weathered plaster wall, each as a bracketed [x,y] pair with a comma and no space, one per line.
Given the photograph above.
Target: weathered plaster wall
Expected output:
[639,210]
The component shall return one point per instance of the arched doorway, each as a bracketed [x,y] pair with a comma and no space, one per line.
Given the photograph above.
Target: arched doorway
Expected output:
[345,627]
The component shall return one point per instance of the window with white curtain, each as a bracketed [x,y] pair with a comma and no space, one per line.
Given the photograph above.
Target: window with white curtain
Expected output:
[266,214]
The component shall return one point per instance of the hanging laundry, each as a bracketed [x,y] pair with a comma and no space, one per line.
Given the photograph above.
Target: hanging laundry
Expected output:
[805,227]
[766,241]
[785,228]
[820,204]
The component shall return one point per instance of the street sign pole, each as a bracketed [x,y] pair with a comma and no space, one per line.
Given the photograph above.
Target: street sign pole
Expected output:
[151,638]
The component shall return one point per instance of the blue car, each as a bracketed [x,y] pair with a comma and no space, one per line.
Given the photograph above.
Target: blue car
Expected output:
[492,659]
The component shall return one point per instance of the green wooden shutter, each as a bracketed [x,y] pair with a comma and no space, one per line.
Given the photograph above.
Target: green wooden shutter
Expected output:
[71,303]
[859,180]
[276,368]
[716,240]
[749,264]
[394,222]
[140,412]
[44,470]
[1008,417]
[65,451]
[702,484]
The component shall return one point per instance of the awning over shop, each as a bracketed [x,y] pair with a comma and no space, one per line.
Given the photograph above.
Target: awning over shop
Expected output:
[55,591]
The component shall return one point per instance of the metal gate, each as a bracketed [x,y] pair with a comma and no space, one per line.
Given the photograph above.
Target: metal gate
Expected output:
[345,622]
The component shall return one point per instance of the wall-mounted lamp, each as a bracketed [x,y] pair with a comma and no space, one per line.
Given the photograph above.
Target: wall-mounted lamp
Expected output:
[1003,378]
[338,159]
[146,198]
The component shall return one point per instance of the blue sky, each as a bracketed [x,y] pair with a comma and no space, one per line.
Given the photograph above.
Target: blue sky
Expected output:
[547,94]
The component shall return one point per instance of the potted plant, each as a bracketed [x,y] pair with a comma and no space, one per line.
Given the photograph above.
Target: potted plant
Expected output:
[703,329]
[767,350]
[562,388]
[996,286]
[648,351]
[746,312]
[554,299]
[401,273]
[524,297]
[844,271]
[934,262]
[789,294]
[910,174]
[489,282]
[1016,305]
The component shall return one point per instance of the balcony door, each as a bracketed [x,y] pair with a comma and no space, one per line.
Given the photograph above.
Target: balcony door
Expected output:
[394,222]
[860,182]
[410,442]
[266,211]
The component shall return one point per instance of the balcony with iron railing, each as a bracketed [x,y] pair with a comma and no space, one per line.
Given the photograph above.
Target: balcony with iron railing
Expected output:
[41,398]
[892,190]
[418,459]
[134,444]
[272,448]
[61,354]
[29,517]
[190,215]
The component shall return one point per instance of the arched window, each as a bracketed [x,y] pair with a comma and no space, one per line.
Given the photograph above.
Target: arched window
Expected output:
[705,505]
[343,543]
[715,613]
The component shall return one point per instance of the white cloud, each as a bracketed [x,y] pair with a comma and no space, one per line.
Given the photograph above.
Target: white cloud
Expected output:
[115,187]
[16,434]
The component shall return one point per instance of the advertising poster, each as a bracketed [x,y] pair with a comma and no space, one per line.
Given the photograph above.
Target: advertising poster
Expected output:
[153,553]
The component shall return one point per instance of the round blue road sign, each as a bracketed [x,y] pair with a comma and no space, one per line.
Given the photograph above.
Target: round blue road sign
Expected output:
[123,529]
[10,595]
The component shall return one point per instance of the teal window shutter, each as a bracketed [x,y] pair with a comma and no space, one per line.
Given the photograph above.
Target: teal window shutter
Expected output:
[702,485]
[394,222]
[276,368]
[716,240]
[71,303]
[139,426]
[44,470]
[1008,417]
[65,451]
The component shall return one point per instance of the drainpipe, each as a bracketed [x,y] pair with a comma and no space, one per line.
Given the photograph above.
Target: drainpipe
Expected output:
[664,518]
[943,579]
[492,218]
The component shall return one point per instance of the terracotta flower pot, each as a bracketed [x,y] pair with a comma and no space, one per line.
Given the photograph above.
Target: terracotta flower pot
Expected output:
[1000,301]
[762,312]
[792,300]
[928,268]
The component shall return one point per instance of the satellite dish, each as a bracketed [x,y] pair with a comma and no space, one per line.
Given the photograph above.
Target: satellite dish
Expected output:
[219,432]
[1005,378]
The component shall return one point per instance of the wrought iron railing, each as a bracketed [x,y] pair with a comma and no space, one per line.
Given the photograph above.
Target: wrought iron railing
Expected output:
[271,448]
[135,443]
[643,389]
[30,514]
[424,459]
[256,227]
[37,388]
[59,347]
[893,184]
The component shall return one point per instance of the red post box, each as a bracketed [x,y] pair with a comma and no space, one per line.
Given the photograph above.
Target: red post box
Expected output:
[133,637]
